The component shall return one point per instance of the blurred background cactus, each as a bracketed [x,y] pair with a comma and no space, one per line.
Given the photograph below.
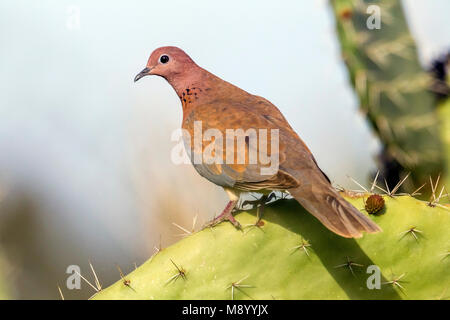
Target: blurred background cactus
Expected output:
[6,286]
[395,92]
[440,70]
[444,111]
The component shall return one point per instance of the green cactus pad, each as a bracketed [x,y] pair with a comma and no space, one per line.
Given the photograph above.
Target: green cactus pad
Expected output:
[292,256]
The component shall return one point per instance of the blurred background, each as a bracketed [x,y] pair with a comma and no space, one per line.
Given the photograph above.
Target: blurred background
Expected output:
[85,167]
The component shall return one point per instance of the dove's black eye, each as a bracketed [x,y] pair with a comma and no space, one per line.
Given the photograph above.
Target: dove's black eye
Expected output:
[164,58]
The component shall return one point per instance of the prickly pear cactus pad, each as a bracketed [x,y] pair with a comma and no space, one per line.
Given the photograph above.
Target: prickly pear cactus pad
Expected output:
[290,255]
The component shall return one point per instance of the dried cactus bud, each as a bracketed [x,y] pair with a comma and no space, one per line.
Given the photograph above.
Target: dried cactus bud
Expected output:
[374,204]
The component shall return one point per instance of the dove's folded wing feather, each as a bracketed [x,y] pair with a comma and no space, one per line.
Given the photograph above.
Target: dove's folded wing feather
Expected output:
[245,174]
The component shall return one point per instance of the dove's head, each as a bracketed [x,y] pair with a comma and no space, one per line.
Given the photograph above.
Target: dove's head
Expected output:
[167,62]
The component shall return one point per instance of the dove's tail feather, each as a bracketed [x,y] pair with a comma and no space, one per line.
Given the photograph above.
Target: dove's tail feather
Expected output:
[338,215]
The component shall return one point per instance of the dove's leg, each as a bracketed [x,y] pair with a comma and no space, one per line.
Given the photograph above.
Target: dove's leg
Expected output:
[227,213]
[261,202]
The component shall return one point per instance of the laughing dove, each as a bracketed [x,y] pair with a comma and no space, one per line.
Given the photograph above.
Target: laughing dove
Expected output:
[216,110]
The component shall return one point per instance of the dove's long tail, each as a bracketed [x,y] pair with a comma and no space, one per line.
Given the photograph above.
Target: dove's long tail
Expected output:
[325,203]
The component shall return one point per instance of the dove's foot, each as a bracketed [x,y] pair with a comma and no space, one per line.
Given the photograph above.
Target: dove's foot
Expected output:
[261,202]
[226,215]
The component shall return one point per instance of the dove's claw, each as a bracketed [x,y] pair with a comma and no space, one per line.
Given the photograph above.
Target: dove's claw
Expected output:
[260,203]
[226,215]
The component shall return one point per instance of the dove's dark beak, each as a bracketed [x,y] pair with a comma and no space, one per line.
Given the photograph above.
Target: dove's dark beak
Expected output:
[142,74]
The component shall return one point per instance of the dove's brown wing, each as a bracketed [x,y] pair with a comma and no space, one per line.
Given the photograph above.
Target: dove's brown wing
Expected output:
[315,192]
[242,175]
[298,171]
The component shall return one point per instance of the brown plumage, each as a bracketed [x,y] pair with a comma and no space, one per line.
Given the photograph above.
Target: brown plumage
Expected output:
[222,106]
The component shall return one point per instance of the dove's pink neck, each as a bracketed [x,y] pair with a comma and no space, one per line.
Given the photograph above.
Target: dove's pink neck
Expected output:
[194,86]
[191,76]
